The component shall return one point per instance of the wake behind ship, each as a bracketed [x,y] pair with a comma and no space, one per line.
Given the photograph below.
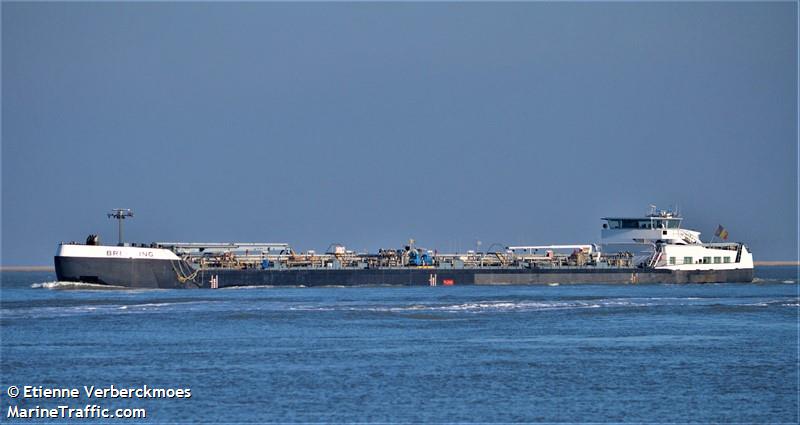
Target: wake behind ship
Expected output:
[653,248]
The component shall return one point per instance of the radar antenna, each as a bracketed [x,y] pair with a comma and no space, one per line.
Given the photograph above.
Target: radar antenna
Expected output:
[120,214]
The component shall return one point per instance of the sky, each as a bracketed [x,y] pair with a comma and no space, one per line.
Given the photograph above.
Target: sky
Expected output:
[368,124]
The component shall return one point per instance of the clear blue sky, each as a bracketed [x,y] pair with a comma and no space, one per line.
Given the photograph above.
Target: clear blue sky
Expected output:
[368,124]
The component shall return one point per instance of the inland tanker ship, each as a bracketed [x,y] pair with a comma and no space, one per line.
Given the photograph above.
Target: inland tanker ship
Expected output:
[652,248]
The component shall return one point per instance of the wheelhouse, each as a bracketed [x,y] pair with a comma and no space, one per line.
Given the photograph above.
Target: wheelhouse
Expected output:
[642,223]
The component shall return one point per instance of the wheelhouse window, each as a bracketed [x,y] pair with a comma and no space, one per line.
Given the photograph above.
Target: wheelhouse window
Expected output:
[630,224]
[663,224]
[623,223]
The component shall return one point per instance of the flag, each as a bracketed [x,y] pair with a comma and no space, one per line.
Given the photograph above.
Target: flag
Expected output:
[721,233]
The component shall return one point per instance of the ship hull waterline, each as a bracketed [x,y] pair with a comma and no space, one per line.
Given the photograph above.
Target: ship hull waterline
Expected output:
[170,274]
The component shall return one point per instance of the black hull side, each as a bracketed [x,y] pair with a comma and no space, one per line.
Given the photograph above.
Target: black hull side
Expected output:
[148,273]
[131,273]
[422,277]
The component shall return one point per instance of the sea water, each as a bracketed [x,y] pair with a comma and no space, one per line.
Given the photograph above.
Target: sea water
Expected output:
[582,353]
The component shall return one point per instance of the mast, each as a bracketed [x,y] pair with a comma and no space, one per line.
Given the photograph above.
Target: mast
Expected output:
[120,214]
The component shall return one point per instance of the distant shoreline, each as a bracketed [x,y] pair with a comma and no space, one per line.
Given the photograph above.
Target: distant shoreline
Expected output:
[27,269]
[52,269]
[776,263]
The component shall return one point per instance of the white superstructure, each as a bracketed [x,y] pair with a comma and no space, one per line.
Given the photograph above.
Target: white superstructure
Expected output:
[717,256]
[657,240]
[106,251]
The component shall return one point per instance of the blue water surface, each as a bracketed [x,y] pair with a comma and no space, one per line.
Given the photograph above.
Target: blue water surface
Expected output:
[583,353]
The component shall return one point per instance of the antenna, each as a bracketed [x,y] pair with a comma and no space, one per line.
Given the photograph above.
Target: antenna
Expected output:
[120,214]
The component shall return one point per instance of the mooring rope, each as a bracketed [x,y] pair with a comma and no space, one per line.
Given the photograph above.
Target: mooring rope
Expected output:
[182,277]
